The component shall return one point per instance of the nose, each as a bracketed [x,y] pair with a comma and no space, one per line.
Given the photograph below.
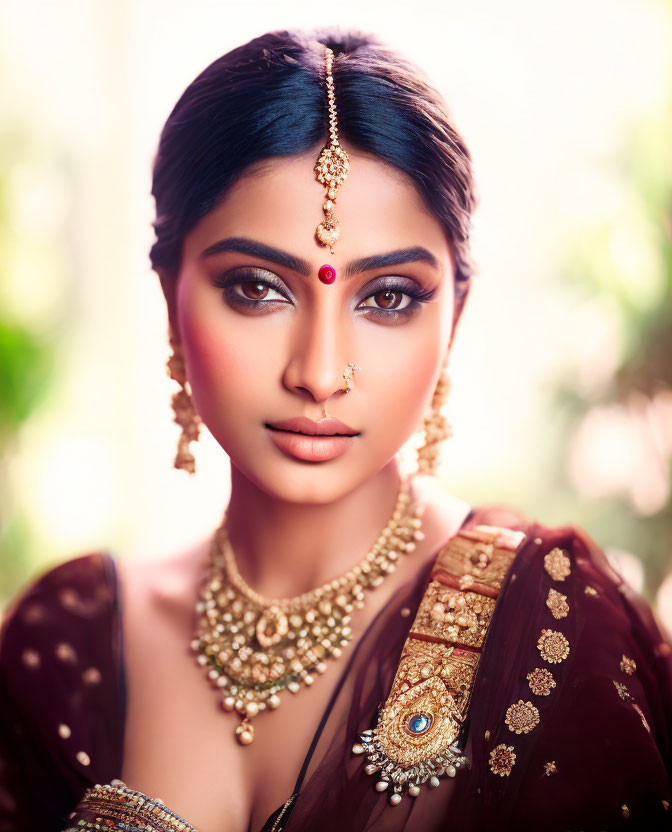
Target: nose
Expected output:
[320,353]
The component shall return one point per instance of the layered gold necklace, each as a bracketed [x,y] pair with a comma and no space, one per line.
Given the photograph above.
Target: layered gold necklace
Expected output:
[254,648]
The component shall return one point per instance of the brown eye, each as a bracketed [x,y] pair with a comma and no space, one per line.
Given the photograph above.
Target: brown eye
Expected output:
[254,290]
[388,299]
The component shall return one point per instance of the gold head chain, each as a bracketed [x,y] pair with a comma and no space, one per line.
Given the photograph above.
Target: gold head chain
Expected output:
[332,165]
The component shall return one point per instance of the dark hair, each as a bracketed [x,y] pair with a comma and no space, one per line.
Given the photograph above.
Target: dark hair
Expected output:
[267,98]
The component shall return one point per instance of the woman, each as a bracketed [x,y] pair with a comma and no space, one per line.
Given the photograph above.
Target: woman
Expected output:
[471,669]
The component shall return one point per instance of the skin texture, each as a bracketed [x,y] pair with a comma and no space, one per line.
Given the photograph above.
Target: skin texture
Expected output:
[296,524]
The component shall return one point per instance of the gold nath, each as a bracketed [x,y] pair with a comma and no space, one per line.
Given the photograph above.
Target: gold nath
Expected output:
[332,166]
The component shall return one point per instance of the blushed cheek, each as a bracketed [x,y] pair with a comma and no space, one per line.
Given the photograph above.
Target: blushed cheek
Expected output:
[216,362]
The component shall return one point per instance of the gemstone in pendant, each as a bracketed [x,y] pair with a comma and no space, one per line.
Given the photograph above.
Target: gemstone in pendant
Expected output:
[419,723]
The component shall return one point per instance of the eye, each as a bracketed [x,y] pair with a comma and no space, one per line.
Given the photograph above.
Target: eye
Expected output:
[255,290]
[390,299]
[251,289]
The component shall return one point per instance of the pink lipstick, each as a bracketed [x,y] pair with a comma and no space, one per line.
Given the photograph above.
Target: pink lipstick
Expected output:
[312,441]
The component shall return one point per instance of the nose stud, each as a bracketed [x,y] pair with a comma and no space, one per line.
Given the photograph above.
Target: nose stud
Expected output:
[327,274]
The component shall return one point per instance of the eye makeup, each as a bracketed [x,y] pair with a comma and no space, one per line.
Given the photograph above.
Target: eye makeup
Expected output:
[229,282]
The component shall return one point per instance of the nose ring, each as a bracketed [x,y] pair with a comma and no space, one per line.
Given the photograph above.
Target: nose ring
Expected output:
[347,375]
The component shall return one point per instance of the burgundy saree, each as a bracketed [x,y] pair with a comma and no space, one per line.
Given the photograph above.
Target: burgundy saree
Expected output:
[599,757]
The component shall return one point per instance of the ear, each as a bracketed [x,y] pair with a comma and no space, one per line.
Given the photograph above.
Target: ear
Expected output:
[168,281]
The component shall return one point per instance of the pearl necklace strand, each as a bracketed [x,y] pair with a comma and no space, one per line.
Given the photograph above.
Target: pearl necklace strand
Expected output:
[253,648]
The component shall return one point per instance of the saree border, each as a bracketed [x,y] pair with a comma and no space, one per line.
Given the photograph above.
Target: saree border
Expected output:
[416,738]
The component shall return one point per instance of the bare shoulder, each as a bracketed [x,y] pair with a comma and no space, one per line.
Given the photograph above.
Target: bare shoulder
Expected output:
[164,588]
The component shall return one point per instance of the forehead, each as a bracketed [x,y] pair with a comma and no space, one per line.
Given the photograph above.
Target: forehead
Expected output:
[279,201]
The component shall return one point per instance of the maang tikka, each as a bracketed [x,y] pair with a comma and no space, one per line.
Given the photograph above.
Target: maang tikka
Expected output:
[332,165]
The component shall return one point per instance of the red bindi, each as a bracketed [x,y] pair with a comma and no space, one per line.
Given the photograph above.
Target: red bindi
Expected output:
[327,274]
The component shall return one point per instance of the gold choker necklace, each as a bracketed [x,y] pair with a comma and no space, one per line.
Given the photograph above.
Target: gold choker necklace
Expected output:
[253,648]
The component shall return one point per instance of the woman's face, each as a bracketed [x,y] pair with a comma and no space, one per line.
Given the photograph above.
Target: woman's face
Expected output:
[264,339]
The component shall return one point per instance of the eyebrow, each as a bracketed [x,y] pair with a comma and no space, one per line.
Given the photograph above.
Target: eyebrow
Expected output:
[244,245]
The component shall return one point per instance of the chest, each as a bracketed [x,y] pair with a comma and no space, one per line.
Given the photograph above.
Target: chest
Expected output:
[179,744]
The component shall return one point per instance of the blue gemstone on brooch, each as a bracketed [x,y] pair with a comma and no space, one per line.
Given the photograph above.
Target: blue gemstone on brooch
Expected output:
[419,723]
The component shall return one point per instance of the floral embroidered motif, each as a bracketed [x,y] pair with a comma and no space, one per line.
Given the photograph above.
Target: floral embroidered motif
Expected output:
[502,759]
[557,564]
[625,811]
[522,717]
[550,768]
[553,646]
[623,692]
[590,590]
[628,665]
[557,604]
[541,681]
[666,805]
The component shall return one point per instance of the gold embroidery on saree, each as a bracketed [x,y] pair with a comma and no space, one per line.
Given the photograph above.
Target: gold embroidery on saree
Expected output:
[415,738]
[553,646]
[623,691]
[628,665]
[522,717]
[557,604]
[557,564]
[502,759]
[541,681]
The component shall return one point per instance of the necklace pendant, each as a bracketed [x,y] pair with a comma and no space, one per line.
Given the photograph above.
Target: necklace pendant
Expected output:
[245,732]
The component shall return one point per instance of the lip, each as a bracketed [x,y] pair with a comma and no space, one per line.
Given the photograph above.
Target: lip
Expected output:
[309,427]
[320,445]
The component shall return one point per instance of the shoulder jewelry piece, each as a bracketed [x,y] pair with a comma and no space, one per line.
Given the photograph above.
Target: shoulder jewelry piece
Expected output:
[332,165]
[417,733]
[347,375]
[254,648]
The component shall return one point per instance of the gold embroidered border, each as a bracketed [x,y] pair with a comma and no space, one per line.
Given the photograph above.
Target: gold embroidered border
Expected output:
[461,617]
[421,719]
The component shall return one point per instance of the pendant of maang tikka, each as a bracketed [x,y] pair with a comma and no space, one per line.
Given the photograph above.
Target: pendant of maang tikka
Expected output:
[332,165]
[255,648]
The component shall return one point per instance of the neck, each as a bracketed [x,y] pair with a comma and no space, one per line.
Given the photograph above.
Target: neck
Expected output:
[285,548]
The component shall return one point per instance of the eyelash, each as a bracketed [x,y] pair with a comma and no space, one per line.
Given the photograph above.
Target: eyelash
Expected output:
[417,296]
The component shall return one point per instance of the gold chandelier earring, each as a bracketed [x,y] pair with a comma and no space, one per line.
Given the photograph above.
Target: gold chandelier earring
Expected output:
[185,412]
[436,428]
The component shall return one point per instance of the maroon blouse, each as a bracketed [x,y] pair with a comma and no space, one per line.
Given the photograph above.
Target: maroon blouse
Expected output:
[599,759]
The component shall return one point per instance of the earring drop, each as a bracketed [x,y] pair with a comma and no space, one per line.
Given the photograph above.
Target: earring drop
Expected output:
[436,429]
[327,274]
[185,412]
